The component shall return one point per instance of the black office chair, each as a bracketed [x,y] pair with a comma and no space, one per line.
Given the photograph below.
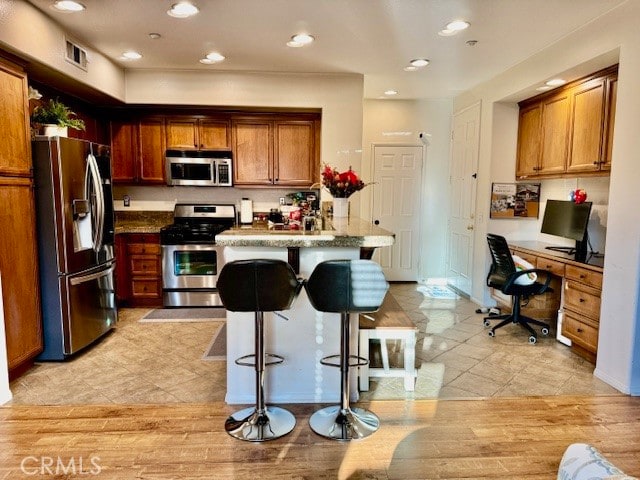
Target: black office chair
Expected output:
[502,276]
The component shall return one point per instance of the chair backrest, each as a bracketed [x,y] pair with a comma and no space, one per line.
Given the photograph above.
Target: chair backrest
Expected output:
[347,286]
[260,285]
[502,266]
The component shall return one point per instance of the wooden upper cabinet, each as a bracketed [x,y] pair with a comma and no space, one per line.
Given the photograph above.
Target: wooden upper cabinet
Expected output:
[197,133]
[151,141]
[610,117]
[137,151]
[555,134]
[587,138]
[574,132]
[252,152]
[294,153]
[529,141]
[15,154]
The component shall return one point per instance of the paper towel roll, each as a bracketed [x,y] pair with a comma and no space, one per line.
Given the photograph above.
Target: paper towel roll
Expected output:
[246,211]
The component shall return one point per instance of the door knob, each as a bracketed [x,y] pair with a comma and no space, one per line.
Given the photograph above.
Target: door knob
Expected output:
[376,222]
[469,227]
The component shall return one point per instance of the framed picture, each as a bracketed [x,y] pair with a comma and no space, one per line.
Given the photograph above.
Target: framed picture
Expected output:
[515,200]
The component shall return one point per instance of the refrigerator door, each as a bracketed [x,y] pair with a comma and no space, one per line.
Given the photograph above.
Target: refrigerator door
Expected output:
[91,307]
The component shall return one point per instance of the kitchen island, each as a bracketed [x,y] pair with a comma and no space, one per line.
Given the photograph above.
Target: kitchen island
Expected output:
[307,335]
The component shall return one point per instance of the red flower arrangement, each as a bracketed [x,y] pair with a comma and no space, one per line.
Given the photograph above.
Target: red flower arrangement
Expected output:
[341,185]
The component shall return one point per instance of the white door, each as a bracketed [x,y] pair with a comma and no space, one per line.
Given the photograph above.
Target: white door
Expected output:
[464,165]
[396,207]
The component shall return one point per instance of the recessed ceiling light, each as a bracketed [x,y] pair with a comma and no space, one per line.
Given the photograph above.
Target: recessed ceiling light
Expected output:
[410,68]
[182,10]
[554,82]
[300,40]
[446,33]
[457,25]
[131,55]
[154,36]
[213,57]
[68,6]
[391,92]
[419,62]
[543,88]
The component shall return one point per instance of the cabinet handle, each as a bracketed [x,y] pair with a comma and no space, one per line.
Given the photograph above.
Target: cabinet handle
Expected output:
[536,169]
[582,276]
[581,300]
[580,330]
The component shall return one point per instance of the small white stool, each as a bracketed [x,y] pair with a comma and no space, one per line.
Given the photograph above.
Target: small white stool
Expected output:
[390,323]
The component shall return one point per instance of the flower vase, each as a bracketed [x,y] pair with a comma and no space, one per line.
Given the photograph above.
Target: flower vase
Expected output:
[340,207]
[55,131]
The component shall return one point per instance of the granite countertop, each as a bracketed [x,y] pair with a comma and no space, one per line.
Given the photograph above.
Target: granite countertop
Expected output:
[352,232]
[142,221]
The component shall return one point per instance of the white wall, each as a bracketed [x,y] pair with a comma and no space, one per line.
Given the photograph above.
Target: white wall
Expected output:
[399,122]
[5,393]
[26,31]
[339,97]
[590,48]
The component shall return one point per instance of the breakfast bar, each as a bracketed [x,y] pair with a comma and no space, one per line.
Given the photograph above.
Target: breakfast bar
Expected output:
[306,335]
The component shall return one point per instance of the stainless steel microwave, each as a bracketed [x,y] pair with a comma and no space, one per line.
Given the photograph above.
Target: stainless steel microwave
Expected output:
[199,168]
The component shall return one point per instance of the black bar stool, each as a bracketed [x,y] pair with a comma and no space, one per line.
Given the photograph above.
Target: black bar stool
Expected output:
[259,286]
[345,286]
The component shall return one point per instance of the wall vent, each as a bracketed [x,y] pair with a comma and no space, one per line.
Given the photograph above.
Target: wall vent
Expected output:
[76,55]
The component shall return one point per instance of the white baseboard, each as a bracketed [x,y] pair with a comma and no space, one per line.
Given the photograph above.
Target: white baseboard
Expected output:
[5,395]
[615,383]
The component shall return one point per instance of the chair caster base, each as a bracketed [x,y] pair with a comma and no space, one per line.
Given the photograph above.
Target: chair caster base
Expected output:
[350,424]
[249,425]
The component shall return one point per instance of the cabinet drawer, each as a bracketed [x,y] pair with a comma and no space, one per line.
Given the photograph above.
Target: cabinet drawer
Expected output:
[581,299]
[144,265]
[582,275]
[145,288]
[584,335]
[557,268]
[143,249]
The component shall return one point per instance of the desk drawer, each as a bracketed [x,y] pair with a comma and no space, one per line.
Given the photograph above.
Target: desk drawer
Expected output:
[145,265]
[584,335]
[146,288]
[532,259]
[557,268]
[582,275]
[582,299]
[143,249]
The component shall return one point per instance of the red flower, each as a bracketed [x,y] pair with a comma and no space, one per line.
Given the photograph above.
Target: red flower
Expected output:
[341,185]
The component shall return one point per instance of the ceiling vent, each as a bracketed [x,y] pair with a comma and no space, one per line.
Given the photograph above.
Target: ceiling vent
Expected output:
[76,55]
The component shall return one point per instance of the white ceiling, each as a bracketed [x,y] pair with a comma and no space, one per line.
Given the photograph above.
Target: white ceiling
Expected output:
[375,38]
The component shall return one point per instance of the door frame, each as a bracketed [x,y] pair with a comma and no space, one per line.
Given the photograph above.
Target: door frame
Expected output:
[421,221]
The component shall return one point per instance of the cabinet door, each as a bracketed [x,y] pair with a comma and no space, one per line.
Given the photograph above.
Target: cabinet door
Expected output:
[253,154]
[610,115]
[124,152]
[214,134]
[19,267]
[588,101]
[555,134]
[15,148]
[182,133]
[529,129]
[294,158]
[152,151]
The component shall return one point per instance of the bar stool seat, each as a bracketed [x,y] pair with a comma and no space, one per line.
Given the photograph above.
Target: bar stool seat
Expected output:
[259,286]
[345,286]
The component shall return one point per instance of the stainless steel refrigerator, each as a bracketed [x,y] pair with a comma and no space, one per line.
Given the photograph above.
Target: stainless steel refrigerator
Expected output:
[75,225]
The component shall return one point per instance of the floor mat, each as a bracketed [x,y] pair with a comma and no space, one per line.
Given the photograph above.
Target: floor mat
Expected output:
[217,349]
[437,291]
[185,315]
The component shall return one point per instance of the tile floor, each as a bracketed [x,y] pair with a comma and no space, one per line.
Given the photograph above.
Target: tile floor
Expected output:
[162,362]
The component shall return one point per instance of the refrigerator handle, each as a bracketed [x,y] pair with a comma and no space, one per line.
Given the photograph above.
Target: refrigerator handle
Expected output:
[92,276]
[99,214]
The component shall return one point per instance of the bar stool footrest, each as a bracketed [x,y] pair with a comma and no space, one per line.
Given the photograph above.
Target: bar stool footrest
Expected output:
[359,361]
[278,359]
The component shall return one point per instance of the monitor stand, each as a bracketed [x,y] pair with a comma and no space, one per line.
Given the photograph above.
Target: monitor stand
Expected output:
[567,250]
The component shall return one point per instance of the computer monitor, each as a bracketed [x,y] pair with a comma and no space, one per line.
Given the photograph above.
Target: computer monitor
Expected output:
[566,219]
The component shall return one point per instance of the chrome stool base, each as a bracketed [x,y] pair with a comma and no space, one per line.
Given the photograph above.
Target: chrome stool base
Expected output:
[249,425]
[344,424]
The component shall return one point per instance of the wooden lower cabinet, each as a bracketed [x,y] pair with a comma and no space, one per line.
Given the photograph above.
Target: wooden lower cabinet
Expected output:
[19,270]
[139,271]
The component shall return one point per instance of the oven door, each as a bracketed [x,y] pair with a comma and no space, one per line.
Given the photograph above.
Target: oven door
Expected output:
[189,275]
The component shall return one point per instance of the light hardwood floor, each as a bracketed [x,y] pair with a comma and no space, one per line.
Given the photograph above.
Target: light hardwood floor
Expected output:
[506,438]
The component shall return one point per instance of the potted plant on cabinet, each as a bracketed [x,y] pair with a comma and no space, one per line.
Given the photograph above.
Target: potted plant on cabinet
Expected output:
[55,118]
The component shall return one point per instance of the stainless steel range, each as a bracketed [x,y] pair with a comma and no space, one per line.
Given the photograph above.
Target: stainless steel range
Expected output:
[191,261]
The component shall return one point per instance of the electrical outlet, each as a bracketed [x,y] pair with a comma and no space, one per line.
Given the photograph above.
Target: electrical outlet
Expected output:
[281,200]
[126,200]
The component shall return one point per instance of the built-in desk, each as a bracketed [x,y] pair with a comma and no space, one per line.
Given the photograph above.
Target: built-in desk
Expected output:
[577,288]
